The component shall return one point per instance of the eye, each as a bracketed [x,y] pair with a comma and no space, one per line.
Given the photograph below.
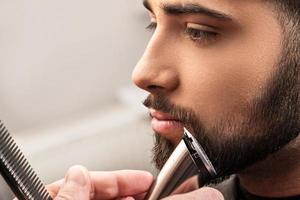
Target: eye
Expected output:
[200,33]
[152,26]
[196,34]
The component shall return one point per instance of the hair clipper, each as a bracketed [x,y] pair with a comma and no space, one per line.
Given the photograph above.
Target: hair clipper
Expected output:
[187,160]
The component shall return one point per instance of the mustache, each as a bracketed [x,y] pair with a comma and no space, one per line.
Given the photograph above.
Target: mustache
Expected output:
[161,103]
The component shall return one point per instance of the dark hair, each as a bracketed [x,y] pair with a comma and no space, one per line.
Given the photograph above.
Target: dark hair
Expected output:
[289,17]
[289,8]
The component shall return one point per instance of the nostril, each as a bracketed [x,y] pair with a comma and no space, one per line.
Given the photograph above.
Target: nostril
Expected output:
[155,88]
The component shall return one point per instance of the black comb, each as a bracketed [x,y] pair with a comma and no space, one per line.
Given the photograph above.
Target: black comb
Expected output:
[17,172]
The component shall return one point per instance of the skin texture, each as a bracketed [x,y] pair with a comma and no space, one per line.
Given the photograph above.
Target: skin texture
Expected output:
[217,78]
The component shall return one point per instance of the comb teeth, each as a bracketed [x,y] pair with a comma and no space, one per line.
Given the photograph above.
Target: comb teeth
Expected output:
[17,172]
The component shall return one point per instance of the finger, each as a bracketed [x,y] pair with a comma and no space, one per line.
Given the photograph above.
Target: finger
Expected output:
[111,185]
[203,193]
[108,185]
[54,188]
[140,196]
[77,185]
[127,198]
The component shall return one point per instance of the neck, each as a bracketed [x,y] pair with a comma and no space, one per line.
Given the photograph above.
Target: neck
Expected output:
[276,176]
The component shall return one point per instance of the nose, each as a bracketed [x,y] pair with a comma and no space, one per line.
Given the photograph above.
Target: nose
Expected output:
[156,71]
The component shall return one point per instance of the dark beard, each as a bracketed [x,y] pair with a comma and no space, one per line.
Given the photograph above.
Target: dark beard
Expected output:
[161,151]
[269,123]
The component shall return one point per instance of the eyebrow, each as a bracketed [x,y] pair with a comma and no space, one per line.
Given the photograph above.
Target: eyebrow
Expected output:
[174,9]
[147,5]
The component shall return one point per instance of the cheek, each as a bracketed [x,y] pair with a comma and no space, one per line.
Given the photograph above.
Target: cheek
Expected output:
[223,84]
[214,90]
[223,79]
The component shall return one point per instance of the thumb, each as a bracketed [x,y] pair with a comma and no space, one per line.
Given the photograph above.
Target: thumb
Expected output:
[77,185]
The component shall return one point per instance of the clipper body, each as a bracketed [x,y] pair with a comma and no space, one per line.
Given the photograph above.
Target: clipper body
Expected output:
[187,160]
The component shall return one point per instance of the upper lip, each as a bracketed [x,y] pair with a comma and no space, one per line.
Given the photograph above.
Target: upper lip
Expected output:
[161,116]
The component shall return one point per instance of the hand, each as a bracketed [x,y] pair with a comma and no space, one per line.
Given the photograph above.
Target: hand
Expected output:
[79,184]
[204,193]
[190,190]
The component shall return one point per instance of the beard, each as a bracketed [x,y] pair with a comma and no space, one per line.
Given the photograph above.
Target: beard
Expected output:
[238,141]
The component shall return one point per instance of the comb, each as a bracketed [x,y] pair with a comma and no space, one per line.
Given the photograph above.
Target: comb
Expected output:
[17,172]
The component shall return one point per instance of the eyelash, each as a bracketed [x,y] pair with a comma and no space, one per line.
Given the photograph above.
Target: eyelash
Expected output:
[196,35]
[200,35]
[152,26]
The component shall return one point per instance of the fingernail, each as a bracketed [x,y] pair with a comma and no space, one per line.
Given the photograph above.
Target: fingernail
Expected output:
[77,175]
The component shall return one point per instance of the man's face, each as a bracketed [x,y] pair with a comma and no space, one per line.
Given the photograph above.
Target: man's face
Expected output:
[211,65]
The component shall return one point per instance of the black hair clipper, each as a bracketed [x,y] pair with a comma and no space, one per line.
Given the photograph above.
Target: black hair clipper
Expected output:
[187,160]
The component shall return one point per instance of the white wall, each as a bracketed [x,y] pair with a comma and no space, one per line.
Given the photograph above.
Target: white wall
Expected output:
[65,57]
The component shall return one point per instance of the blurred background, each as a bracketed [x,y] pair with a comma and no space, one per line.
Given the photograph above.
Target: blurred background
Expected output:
[65,84]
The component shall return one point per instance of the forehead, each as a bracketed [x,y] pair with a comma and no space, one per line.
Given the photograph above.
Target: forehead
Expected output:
[215,3]
[237,8]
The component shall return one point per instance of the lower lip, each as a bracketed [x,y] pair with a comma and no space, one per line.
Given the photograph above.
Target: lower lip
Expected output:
[167,128]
